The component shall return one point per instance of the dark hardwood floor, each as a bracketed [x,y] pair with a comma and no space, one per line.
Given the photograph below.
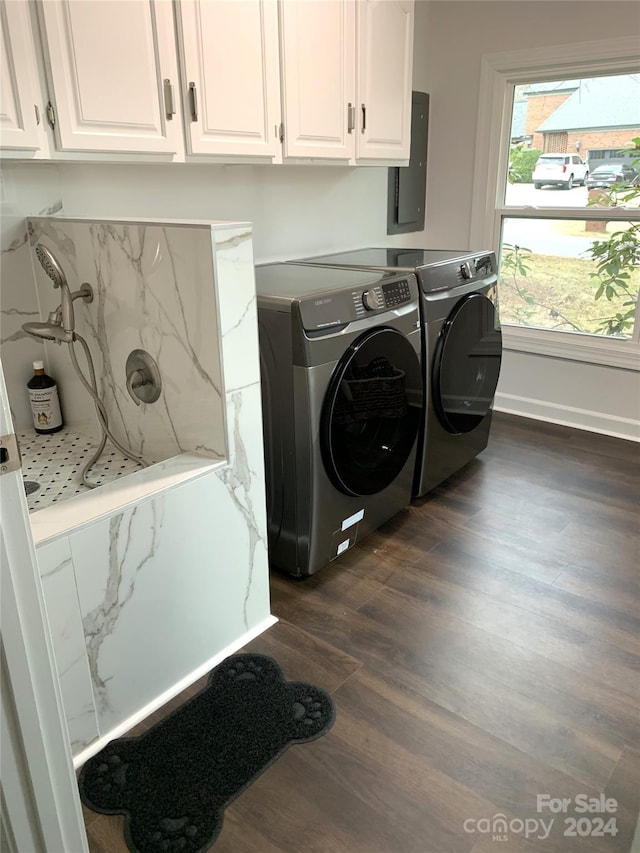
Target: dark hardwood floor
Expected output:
[482,648]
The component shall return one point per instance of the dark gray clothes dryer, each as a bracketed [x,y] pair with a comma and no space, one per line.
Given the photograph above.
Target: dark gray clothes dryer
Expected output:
[462,348]
[342,400]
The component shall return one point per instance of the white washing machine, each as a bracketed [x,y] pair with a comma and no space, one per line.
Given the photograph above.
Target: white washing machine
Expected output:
[340,356]
[462,348]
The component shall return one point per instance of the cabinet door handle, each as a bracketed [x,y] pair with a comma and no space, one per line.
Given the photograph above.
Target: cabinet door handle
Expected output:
[51,116]
[351,118]
[169,104]
[193,100]
[364,117]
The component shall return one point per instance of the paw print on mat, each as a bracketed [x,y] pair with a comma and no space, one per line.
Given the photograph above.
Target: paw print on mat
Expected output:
[110,778]
[310,710]
[307,710]
[249,668]
[173,834]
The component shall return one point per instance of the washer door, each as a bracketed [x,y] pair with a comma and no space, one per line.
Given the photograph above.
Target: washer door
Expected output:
[466,364]
[371,412]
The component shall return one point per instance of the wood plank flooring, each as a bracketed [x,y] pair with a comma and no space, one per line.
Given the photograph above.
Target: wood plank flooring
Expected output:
[482,648]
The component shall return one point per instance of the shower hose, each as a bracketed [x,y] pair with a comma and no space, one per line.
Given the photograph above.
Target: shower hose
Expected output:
[103,419]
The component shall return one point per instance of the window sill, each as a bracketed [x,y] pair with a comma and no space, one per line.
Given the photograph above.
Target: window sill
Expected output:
[573,346]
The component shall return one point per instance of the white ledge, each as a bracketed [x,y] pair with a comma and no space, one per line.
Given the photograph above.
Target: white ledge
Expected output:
[573,346]
[77,512]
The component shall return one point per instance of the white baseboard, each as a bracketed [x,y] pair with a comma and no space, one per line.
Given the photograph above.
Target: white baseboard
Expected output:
[541,410]
[185,682]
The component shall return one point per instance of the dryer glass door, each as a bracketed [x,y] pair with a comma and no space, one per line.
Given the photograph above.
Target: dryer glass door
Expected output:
[371,412]
[466,364]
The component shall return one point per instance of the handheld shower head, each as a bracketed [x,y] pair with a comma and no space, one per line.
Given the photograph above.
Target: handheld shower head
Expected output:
[50,331]
[50,265]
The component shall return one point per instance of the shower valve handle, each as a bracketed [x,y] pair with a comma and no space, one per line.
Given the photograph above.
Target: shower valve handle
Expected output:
[135,380]
[143,377]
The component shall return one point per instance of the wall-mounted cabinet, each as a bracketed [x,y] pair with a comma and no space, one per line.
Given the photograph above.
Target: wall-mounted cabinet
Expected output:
[21,102]
[318,78]
[229,59]
[346,79]
[251,81]
[113,74]
[384,79]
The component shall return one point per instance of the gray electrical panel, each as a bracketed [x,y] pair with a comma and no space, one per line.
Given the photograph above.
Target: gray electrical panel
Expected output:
[408,184]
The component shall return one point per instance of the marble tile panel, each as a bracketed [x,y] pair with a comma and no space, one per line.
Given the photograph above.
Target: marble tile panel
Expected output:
[234,268]
[166,585]
[245,482]
[25,190]
[63,613]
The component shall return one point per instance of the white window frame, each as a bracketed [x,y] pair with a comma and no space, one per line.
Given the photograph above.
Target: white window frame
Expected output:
[500,73]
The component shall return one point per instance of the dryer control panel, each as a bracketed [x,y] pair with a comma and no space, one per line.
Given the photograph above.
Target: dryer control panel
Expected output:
[453,272]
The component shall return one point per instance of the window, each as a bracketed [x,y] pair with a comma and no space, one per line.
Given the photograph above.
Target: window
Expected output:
[574,274]
[566,223]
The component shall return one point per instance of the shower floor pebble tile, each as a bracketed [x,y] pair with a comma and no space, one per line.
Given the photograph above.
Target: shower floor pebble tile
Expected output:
[55,462]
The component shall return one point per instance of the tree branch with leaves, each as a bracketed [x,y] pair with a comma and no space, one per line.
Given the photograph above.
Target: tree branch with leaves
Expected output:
[619,254]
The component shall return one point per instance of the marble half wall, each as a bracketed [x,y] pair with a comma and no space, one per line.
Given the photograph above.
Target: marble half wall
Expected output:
[170,583]
[155,289]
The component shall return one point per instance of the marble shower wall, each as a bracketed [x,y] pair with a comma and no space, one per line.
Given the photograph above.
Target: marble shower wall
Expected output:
[26,190]
[154,289]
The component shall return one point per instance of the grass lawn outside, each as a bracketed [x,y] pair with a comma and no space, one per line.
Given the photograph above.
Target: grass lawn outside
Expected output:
[558,293]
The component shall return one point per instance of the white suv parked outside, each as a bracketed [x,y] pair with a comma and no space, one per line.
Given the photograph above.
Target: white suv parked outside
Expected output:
[562,170]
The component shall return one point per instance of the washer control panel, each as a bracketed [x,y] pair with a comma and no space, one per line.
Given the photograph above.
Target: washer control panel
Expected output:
[382,297]
[372,296]
[373,299]
[396,292]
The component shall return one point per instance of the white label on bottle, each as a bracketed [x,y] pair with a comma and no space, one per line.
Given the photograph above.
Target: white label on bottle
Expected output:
[45,407]
[342,547]
[349,522]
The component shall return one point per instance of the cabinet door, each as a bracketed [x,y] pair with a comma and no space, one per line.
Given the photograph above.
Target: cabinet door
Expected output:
[20,97]
[318,77]
[231,76]
[108,63]
[385,67]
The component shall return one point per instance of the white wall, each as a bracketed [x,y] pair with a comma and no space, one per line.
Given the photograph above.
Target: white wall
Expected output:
[295,210]
[451,38]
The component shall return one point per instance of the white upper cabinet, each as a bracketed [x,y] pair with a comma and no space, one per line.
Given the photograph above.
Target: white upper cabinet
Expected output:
[21,102]
[236,80]
[231,84]
[318,77]
[384,79]
[346,69]
[113,75]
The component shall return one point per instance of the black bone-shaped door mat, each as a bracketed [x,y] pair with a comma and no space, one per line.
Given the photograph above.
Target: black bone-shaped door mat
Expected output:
[173,782]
